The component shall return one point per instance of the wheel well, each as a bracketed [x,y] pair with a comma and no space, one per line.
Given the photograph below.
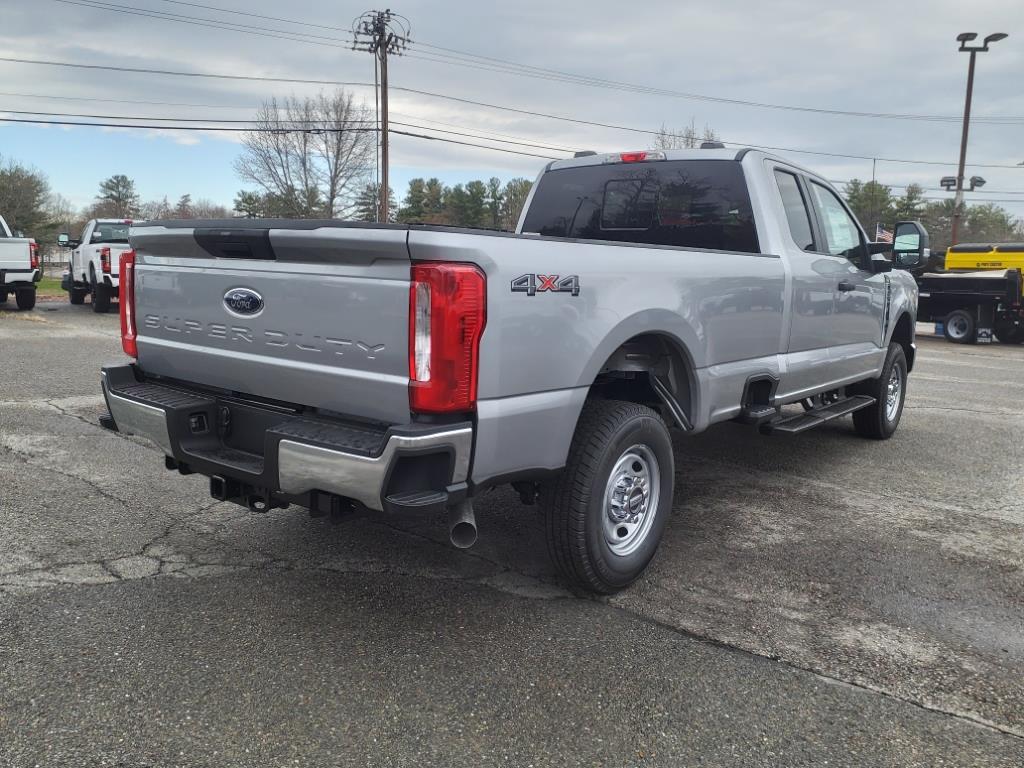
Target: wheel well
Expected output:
[903,335]
[627,375]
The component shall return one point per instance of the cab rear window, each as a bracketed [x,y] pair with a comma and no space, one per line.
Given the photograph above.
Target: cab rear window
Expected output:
[108,232]
[686,203]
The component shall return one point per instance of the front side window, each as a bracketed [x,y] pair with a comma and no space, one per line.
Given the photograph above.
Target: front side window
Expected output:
[685,203]
[841,233]
[797,215]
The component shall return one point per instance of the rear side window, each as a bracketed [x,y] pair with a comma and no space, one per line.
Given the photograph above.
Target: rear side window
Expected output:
[687,203]
[797,214]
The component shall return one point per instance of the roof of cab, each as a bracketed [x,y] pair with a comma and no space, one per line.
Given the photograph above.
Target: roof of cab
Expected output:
[736,154]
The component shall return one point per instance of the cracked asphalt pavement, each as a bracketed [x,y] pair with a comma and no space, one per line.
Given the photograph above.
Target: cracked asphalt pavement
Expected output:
[818,600]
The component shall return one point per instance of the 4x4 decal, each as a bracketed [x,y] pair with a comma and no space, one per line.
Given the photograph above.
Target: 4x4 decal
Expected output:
[531,284]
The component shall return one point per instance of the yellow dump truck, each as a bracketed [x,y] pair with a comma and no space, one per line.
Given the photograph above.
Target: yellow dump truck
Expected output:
[978,295]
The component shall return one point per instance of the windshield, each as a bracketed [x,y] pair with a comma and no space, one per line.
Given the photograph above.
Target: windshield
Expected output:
[110,232]
[689,203]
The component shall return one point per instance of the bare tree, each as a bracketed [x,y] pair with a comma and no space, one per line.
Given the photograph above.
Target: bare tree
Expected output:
[207,209]
[685,138]
[313,154]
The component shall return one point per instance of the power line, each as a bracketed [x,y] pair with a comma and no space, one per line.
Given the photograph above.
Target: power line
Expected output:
[255,15]
[461,100]
[294,37]
[463,58]
[485,133]
[256,125]
[236,129]
[124,101]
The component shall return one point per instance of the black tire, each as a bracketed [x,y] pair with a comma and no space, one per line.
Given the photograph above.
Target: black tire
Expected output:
[1009,332]
[100,296]
[26,298]
[960,327]
[3,297]
[875,421]
[77,295]
[609,432]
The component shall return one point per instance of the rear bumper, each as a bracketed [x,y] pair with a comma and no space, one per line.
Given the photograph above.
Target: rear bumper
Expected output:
[276,453]
[13,279]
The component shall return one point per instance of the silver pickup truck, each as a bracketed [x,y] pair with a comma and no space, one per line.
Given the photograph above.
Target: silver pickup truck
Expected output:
[406,369]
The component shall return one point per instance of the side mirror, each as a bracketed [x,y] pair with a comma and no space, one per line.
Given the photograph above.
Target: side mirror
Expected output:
[63,240]
[909,245]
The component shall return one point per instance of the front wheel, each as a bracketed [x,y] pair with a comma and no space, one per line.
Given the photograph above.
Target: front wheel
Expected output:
[607,510]
[880,420]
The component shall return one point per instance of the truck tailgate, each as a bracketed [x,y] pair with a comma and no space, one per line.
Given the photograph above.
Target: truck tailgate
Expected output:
[15,254]
[309,313]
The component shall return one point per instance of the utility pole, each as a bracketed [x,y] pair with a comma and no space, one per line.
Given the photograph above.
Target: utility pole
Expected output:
[381,33]
[958,203]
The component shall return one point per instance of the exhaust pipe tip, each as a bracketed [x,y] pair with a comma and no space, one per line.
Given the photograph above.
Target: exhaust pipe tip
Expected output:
[462,525]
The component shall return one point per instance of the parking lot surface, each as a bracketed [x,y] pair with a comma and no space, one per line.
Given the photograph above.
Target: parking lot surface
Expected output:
[818,599]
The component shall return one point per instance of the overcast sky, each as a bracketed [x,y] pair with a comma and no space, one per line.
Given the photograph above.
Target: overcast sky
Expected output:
[870,56]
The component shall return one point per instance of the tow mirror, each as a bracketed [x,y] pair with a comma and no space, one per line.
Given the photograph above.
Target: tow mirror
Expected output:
[63,240]
[909,245]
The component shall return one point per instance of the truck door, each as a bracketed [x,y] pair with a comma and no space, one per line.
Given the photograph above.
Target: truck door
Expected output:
[79,268]
[812,283]
[859,296]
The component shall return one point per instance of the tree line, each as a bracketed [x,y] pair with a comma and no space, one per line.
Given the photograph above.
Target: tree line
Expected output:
[313,157]
[31,207]
[874,203]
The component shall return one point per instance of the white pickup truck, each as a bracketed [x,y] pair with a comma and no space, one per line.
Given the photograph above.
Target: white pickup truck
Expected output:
[94,261]
[19,267]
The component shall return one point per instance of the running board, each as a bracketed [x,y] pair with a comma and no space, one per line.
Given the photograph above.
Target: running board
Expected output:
[801,422]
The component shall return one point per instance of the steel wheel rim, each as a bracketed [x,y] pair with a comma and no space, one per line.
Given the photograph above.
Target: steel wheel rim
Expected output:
[957,327]
[893,393]
[631,498]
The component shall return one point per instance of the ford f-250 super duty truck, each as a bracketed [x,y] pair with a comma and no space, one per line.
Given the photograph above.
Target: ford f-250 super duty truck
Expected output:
[95,260]
[409,368]
[19,267]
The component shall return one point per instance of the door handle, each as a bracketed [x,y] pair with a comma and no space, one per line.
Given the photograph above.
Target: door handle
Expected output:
[845,286]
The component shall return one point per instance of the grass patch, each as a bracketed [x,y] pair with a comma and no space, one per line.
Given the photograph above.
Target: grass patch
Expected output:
[49,286]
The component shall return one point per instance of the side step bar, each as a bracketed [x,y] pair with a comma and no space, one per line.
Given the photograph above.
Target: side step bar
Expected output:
[801,422]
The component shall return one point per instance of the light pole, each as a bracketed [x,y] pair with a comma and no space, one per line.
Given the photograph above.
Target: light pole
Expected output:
[964,38]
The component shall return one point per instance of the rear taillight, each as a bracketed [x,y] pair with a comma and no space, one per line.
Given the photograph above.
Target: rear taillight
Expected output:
[447,312]
[127,301]
[105,260]
[33,255]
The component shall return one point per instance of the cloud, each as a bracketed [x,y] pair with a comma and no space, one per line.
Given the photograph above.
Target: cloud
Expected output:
[871,56]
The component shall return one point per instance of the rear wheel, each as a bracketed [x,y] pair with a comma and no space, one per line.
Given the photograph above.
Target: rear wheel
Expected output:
[880,420]
[606,512]
[100,295]
[26,298]
[959,327]
[3,296]
[1008,331]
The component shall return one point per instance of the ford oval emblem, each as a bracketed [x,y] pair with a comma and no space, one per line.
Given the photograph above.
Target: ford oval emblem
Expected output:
[243,301]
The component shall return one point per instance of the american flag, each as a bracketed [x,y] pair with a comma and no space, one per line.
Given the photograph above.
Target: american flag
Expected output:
[882,235]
